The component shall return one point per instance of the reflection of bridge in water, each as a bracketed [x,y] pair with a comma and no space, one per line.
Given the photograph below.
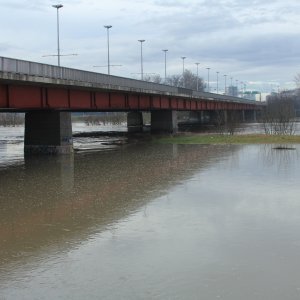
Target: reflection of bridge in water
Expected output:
[64,200]
[48,93]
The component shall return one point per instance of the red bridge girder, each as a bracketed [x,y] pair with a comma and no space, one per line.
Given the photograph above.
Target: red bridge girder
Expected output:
[18,97]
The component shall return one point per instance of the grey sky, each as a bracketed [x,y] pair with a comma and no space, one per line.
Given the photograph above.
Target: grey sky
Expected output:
[252,41]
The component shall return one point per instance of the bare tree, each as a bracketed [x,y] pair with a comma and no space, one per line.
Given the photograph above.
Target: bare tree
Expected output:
[187,80]
[219,121]
[297,80]
[153,78]
[174,80]
[233,121]
[279,115]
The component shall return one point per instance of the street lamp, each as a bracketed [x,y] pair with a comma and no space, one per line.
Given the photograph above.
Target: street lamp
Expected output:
[208,89]
[58,6]
[218,82]
[108,62]
[197,64]
[242,93]
[165,50]
[142,72]
[225,86]
[183,58]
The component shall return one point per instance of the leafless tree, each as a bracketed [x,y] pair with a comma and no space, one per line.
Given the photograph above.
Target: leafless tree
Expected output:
[227,122]
[220,121]
[297,80]
[153,78]
[233,121]
[279,115]
[187,80]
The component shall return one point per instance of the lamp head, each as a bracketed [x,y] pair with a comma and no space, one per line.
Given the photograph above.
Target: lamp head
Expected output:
[57,6]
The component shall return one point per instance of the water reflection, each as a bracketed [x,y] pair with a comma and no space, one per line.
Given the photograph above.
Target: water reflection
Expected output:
[61,192]
[152,222]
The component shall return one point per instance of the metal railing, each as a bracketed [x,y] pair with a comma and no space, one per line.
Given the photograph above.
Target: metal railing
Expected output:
[18,66]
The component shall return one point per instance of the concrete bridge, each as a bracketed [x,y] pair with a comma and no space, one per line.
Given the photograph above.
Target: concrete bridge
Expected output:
[49,93]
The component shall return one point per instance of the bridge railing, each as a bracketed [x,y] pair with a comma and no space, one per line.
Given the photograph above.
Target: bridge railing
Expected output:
[23,67]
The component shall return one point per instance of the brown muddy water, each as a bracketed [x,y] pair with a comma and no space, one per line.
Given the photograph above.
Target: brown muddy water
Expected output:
[146,221]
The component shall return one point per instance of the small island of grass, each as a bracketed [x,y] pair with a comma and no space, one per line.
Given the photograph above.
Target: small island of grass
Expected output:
[230,139]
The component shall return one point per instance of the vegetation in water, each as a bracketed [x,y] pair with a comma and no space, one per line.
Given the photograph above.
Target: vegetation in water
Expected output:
[229,139]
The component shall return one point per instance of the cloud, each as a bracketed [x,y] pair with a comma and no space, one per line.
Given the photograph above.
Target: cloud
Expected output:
[249,39]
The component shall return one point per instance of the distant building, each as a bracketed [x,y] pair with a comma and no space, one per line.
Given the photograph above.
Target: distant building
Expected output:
[232,91]
[251,95]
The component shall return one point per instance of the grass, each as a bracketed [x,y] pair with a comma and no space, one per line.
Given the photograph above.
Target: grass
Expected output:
[230,139]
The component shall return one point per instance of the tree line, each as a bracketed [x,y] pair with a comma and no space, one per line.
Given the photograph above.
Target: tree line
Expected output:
[11,119]
[187,80]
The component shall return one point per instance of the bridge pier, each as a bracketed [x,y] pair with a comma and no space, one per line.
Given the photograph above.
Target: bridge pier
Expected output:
[164,121]
[48,133]
[135,121]
[250,115]
[196,117]
[243,116]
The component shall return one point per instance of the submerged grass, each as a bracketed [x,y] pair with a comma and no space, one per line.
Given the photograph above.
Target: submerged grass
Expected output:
[230,139]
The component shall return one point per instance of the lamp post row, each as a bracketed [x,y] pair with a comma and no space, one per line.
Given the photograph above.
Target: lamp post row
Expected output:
[58,6]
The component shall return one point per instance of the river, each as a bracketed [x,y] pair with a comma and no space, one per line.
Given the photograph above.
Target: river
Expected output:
[120,220]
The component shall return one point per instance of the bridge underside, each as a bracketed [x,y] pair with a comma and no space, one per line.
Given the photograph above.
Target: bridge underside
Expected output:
[48,126]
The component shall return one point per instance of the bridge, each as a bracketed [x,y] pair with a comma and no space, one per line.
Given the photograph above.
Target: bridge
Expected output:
[47,94]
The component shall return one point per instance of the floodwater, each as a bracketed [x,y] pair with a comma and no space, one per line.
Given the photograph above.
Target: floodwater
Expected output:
[146,221]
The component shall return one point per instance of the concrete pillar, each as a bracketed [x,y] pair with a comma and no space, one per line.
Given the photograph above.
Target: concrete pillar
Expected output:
[225,114]
[243,117]
[254,116]
[48,133]
[202,117]
[195,117]
[164,121]
[250,115]
[135,121]
[211,116]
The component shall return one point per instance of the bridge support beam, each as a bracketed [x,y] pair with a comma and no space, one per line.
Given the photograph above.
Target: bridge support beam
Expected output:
[48,133]
[135,121]
[164,121]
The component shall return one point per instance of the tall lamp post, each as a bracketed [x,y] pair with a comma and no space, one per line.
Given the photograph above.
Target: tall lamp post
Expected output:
[108,62]
[218,82]
[225,86]
[197,64]
[165,50]
[58,6]
[208,89]
[142,71]
[183,58]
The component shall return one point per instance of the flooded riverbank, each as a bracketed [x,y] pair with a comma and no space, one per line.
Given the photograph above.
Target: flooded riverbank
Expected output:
[150,221]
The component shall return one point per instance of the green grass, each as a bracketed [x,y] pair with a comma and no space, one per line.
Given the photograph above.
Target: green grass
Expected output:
[230,139]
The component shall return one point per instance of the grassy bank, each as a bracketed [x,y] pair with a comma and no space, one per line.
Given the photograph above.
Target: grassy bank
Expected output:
[231,139]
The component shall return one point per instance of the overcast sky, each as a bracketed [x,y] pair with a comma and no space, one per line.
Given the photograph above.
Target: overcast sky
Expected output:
[253,41]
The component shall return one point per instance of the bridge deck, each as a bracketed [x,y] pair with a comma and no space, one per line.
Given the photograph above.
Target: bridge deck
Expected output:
[26,85]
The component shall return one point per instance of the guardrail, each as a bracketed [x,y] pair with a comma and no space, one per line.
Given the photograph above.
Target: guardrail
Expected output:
[18,66]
